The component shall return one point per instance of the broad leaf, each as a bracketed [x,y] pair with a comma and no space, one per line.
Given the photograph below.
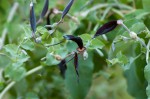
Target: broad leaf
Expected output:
[15,71]
[79,90]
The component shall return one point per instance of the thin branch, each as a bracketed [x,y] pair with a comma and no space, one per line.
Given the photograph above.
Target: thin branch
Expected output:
[99,6]
[147,52]
[105,13]
[1,75]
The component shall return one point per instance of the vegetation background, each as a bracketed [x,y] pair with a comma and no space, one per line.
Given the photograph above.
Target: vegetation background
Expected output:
[117,67]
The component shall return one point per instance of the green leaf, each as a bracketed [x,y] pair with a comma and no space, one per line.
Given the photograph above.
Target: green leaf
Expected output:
[46,38]
[147,76]
[1,85]
[96,44]
[79,90]
[11,49]
[21,87]
[4,60]
[122,58]
[146,4]
[86,37]
[31,95]
[112,61]
[50,60]
[28,45]
[138,4]
[135,78]
[41,30]
[22,57]
[15,71]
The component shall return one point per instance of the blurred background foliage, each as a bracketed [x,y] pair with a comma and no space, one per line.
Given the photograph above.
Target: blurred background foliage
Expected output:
[113,70]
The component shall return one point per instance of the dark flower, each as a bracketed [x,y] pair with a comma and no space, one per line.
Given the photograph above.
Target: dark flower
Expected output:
[62,67]
[45,9]
[32,19]
[67,8]
[106,28]
[76,63]
[78,40]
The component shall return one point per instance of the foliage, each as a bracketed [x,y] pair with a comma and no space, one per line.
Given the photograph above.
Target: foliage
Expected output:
[117,66]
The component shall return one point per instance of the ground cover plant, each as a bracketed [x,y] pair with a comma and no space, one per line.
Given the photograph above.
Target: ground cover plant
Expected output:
[71,49]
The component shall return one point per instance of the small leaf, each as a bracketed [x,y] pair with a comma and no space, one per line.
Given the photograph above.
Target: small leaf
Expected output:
[11,49]
[50,60]
[67,8]
[32,19]
[78,40]
[45,9]
[31,95]
[106,28]
[85,37]
[76,63]
[15,71]
[122,58]
[62,66]
[96,44]
[4,61]
[28,45]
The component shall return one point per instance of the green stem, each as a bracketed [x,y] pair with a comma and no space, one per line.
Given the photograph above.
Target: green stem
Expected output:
[10,85]
[147,53]
[99,6]
[106,12]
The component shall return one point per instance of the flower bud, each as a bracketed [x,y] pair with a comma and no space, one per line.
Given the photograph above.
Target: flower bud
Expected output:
[119,22]
[133,35]
[38,39]
[85,55]
[58,57]
[24,52]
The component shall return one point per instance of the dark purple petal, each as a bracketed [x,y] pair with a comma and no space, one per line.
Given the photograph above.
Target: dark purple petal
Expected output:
[106,28]
[76,63]
[67,8]
[45,8]
[32,18]
[62,67]
[78,40]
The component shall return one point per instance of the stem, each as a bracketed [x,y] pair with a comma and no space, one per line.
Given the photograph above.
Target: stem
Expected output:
[1,75]
[124,26]
[6,89]
[87,4]
[33,70]
[55,11]
[141,41]
[48,45]
[85,13]
[10,85]
[72,53]
[147,53]
[106,12]
[99,52]
[9,19]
